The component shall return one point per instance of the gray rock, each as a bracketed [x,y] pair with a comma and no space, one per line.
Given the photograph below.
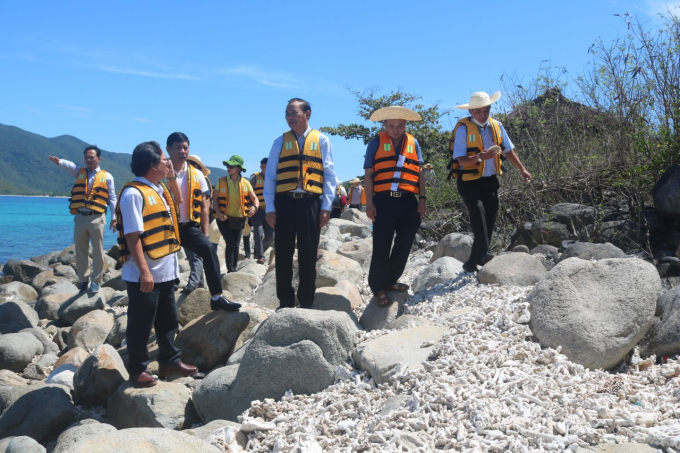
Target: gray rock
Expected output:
[48,306]
[256,316]
[23,444]
[99,376]
[208,341]
[455,245]
[333,298]
[166,405]
[512,269]
[17,350]
[66,271]
[596,310]
[532,234]
[238,354]
[256,269]
[90,330]
[574,215]
[623,233]
[351,291]
[520,249]
[442,270]
[16,315]
[330,245]
[204,432]
[359,251]
[44,260]
[75,356]
[590,251]
[41,279]
[376,317]
[23,270]
[17,291]
[293,349]
[48,346]
[408,321]
[240,284]
[549,251]
[116,283]
[62,375]
[663,336]
[666,192]
[79,305]
[332,268]
[336,228]
[384,356]
[36,371]
[118,331]
[86,429]
[8,377]
[119,299]
[356,216]
[60,287]
[193,305]
[147,440]
[66,256]
[37,411]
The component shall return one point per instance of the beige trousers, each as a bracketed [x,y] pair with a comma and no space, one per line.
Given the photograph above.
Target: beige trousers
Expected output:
[86,229]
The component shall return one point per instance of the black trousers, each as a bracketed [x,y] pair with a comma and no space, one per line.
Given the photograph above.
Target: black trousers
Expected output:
[262,232]
[296,218]
[155,309]
[232,238]
[357,206]
[392,215]
[193,239]
[481,199]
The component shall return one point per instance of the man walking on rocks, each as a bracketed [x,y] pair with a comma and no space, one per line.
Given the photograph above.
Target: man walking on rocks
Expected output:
[91,193]
[393,178]
[262,231]
[480,145]
[299,188]
[194,217]
[149,241]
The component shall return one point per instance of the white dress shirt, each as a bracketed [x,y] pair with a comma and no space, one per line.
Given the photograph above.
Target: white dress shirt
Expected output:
[182,181]
[75,169]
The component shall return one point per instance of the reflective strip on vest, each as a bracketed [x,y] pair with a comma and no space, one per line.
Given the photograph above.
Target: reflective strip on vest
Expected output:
[385,166]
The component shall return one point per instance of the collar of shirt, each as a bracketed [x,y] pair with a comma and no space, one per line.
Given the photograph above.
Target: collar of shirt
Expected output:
[157,187]
[184,168]
[93,172]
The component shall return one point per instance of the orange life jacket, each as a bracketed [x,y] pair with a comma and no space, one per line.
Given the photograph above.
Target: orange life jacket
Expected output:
[258,188]
[95,198]
[385,165]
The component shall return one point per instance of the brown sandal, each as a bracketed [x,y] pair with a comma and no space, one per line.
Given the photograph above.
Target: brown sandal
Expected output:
[401,287]
[383,300]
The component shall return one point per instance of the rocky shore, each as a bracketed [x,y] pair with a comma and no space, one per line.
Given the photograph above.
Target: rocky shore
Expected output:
[571,346]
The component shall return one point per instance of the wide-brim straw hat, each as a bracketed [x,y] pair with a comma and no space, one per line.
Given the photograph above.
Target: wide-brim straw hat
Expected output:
[355,180]
[480,99]
[197,163]
[428,166]
[395,112]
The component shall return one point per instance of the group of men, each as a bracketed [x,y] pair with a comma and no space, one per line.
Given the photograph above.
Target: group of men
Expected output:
[295,190]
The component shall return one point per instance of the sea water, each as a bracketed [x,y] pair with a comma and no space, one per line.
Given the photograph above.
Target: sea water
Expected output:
[32,226]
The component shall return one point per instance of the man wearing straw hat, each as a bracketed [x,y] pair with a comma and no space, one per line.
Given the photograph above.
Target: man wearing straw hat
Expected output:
[299,188]
[196,279]
[356,196]
[395,198]
[480,144]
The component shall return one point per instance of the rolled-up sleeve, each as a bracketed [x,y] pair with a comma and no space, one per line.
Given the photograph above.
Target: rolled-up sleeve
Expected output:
[270,176]
[330,181]
[460,143]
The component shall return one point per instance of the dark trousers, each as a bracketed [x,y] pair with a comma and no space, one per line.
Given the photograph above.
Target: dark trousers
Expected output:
[357,206]
[246,245]
[336,213]
[262,233]
[392,215]
[481,199]
[193,239]
[296,218]
[155,309]
[232,238]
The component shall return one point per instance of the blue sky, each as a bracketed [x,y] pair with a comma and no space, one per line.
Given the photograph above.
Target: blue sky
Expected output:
[120,73]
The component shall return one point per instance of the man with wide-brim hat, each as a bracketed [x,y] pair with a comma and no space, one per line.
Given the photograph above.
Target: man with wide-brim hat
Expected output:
[479,146]
[395,198]
[356,196]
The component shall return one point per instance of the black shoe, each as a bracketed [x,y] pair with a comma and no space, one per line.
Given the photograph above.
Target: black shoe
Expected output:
[224,304]
[188,289]
[83,287]
[469,267]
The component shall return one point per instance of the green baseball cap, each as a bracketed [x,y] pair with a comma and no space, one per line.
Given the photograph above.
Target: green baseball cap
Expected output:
[234,161]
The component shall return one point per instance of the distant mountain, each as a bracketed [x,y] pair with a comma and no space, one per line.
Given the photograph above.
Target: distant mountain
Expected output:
[26,169]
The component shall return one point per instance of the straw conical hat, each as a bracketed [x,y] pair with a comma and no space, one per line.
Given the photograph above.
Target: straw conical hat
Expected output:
[480,99]
[395,112]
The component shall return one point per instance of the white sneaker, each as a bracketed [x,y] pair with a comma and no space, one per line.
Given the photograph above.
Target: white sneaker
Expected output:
[94,288]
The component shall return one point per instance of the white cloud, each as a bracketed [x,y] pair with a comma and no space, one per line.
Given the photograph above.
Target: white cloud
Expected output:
[163,75]
[32,110]
[272,79]
[142,120]
[74,108]
[656,7]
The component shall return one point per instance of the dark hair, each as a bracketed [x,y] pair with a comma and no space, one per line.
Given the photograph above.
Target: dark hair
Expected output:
[96,150]
[145,156]
[264,161]
[305,105]
[176,137]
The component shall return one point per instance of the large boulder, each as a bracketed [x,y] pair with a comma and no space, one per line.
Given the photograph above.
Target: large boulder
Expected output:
[208,341]
[79,305]
[294,349]
[351,292]
[16,315]
[512,269]
[17,350]
[193,306]
[376,317]
[90,330]
[118,331]
[117,283]
[240,284]
[37,411]
[8,377]
[49,347]
[384,356]
[597,311]
[166,405]
[44,260]
[13,291]
[356,216]
[332,268]
[442,270]
[666,192]
[623,233]
[99,376]
[359,251]
[575,216]
[41,279]
[333,298]
[455,245]
[23,270]
[20,444]
[66,256]
[336,228]
[590,251]
[48,306]
[532,234]
[65,271]
[549,251]
[59,287]
[254,268]
[85,439]
[265,294]
[331,245]
[663,336]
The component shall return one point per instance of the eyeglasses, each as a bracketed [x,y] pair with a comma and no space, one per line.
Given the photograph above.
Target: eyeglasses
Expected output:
[230,167]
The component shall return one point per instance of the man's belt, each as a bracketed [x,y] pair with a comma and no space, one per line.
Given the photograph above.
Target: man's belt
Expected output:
[299,194]
[89,213]
[393,194]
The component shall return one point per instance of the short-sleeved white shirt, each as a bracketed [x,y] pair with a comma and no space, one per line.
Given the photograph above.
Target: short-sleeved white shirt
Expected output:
[131,203]
[184,190]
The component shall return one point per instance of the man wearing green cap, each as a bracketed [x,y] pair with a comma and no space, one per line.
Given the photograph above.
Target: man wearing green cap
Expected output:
[233,201]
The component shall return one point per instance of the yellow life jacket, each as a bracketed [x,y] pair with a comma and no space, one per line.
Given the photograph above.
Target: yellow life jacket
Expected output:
[223,196]
[95,198]
[294,165]
[161,230]
[474,147]
[258,188]
[195,194]
[385,165]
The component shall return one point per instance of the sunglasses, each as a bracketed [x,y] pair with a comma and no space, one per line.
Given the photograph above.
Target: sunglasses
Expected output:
[230,166]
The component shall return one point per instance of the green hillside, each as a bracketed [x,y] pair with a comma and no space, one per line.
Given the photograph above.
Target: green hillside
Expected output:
[26,169]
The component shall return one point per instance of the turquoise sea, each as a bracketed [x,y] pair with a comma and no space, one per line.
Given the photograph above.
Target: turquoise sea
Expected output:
[32,226]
